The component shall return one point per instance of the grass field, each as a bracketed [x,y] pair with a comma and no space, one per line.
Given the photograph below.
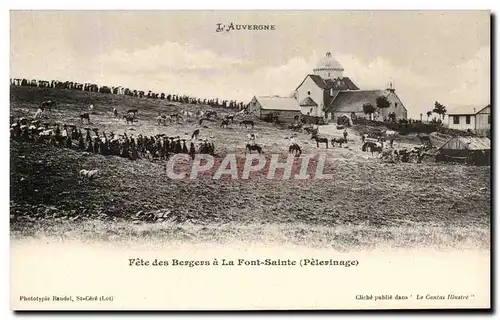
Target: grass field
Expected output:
[368,203]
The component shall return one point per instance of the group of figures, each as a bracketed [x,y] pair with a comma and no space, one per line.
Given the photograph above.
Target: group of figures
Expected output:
[118,90]
[159,147]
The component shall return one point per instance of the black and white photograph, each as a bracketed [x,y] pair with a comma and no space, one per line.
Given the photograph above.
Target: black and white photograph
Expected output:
[263,158]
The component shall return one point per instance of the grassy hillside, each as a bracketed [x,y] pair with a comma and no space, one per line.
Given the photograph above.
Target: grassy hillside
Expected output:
[399,204]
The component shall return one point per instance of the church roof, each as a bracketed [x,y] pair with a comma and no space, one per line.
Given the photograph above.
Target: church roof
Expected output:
[329,62]
[352,101]
[308,102]
[278,103]
[336,84]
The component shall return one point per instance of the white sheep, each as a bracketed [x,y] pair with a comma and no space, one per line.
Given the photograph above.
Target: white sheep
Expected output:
[88,174]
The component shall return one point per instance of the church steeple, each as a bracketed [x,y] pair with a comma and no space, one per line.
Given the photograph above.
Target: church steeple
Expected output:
[329,68]
[391,87]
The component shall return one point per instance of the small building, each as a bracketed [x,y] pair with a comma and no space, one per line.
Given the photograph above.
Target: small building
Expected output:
[469,118]
[468,150]
[281,109]
[307,106]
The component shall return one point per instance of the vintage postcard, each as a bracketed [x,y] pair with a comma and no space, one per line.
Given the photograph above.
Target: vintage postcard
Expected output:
[250,160]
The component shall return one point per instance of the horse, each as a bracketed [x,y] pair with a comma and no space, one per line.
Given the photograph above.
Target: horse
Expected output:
[372,146]
[176,116]
[47,104]
[295,149]
[247,122]
[340,141]
[320,139]
[311,130]
[224,123]
[208,114]
[162,119]
[134,111]
[85,115]
[129,118]
[251,147]
[229,117]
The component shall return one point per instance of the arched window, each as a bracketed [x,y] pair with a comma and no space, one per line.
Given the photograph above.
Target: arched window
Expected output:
[328,74]
[308,93]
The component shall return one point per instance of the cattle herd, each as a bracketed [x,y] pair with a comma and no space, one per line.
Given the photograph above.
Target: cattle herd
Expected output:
[91,87]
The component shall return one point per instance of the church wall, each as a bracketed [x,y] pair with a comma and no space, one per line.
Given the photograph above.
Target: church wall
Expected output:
[309,109]
[396,106]
[255,108]
[335,115]
[329,73]
[316,94]
[283,115]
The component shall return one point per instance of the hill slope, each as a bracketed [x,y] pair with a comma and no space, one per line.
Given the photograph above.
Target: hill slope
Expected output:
[366,202]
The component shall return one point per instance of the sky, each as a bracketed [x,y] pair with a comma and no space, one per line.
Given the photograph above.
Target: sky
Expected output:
[429,55]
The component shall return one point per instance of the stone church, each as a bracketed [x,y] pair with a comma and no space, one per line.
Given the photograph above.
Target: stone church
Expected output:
[328,94]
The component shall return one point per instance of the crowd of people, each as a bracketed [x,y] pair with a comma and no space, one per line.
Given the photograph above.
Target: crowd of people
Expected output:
[118,90]
[154,147]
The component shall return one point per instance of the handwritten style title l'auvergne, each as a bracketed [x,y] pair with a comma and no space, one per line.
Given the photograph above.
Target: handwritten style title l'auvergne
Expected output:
[220,27]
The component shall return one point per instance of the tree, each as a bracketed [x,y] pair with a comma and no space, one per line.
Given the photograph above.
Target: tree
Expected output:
[429,114]
[382,102]
[439,109]
[368,108]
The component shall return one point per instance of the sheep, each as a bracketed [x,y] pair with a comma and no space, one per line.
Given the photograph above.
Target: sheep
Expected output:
[88,174]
